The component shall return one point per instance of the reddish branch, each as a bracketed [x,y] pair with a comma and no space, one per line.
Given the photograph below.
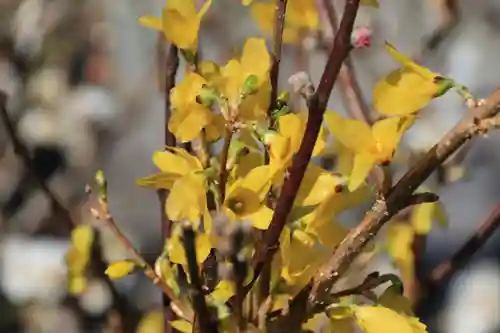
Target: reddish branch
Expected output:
[317,106]
[475,122]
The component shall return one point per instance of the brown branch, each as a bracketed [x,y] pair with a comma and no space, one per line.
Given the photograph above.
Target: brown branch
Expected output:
[317,106]
[171,66]
[23,153]
[205,323]
[279,25]
[398,198]
[465,253]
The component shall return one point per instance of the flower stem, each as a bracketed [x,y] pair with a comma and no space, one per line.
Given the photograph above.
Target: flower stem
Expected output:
[224,172]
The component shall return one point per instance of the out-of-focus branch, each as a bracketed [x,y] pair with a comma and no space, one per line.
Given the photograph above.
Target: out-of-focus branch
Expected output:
[23,153]
[464,254]
[449,13]
[476,122]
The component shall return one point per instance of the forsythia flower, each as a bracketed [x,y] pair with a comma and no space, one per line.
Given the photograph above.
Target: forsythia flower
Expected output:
[188,116]
[245,82]
[177,253]
[407,89]
[78,257]
[180,22]
[245,198]
[300,15]
[375,145]
[301,256]
[317,182]
[181,173]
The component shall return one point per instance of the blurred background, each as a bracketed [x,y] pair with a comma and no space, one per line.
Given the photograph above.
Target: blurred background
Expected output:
[83,81]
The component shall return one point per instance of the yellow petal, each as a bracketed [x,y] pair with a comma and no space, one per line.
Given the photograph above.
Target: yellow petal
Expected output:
[246,2]
[187,124]
[232,79]
[77,284]
[261,218]
[186,8]
[152,322]
[180,30]
[215,129]
[204,9]
[399,245]
[354,134]
[316,186]
[177,254]
[379,319]
[187,198]
[258,180]
[263,15]
[406,62]
[255,106]
[362,166]
[255,59]
[186,91]
[157,180]
[223,291]
[151,22]
[182,325]
[176,162]
[120,269]
[388,133]
[403,92]
[82,238]
[371,3]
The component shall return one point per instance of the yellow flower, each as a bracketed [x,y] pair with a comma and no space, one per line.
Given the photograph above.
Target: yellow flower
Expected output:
[301,256]
[180,22]
[189,117]
[317,182]
[407,89]
[245,82]
[78,257]
[245,198]
[181,173]
[300,15]
[400,236]
[177,254]
[375,145]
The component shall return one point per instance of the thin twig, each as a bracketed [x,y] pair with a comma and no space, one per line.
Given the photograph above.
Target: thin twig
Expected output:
[105,215]
[200,305]
[279,25]
[472,124]
[23,153]
[317,106]
[224,172]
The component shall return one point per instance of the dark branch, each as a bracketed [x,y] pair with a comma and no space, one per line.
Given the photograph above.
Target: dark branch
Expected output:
[206,325]
[23,153]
